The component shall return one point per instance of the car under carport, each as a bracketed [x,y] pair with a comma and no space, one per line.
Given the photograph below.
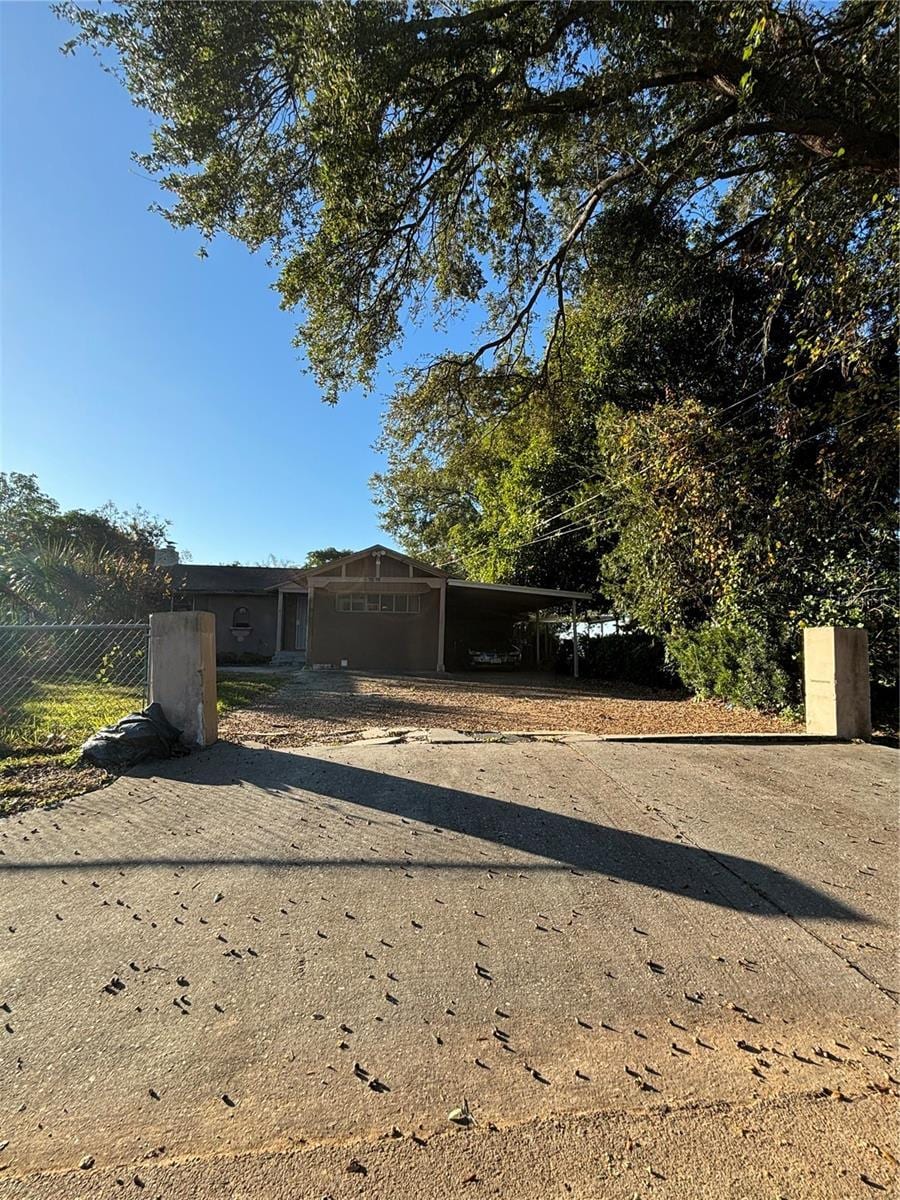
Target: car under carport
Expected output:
[486,614]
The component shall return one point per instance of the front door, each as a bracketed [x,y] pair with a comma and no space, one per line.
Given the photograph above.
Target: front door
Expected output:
[300,628]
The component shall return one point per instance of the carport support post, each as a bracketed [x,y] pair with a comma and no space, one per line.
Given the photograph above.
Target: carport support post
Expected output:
[442,624]
[183,672]
[574,640]
[836,682]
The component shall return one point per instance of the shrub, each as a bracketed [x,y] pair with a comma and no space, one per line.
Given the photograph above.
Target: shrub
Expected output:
[736,662]
[243,659]
[633,657]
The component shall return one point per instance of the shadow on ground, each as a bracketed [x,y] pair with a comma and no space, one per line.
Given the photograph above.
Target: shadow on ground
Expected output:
[558,841]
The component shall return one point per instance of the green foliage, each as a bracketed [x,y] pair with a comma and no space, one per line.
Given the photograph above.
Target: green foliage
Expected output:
[121,664]
[679,223]
[737,662]
[65,713]
[240,691]
[400,159]
[711,487]
[73,566]
[630,657]
[318,558]
[470,491]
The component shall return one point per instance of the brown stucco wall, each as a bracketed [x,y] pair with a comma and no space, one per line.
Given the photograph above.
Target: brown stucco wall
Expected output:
[374,641]
[260,642]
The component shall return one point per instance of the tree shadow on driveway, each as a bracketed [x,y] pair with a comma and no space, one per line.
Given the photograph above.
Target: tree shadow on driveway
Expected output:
[534,838]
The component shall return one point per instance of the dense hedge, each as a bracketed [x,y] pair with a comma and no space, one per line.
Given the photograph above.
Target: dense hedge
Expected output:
[632,657]
[738,663]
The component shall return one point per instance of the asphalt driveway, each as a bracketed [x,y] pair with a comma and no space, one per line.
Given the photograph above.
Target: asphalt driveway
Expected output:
[323,954]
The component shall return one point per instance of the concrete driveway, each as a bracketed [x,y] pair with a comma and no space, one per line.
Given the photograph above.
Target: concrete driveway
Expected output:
[626,968]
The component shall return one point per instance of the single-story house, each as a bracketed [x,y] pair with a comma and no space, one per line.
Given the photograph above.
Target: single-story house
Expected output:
[376,609]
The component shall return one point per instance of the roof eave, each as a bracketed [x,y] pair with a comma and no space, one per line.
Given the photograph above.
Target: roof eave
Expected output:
[515,589]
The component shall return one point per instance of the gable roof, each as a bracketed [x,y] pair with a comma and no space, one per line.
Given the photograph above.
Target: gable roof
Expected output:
[415,562]
[188,577]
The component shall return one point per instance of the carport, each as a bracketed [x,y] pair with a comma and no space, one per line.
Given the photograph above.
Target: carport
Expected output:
[486,613]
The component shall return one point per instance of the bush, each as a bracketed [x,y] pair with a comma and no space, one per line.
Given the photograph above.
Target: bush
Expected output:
[736,662]
[633,657]
[248,659]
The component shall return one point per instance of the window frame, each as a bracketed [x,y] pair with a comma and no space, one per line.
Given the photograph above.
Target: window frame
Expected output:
[379,603]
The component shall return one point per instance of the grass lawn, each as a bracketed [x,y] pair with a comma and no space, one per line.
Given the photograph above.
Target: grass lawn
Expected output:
[243,691]
[40,743]
[66,713]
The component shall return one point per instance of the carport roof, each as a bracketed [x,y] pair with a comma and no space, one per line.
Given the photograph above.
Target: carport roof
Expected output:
[523,591]
[513,597]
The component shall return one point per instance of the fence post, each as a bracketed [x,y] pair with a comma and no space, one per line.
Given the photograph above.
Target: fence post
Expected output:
[836,682]
[183,672]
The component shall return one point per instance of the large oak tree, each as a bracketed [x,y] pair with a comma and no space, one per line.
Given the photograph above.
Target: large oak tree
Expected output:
[397,157]
[676,223]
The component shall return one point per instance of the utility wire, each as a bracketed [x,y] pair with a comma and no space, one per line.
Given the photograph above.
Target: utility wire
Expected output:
[579,525]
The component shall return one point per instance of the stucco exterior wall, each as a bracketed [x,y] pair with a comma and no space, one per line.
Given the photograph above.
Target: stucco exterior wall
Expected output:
[259,642]
[374,641]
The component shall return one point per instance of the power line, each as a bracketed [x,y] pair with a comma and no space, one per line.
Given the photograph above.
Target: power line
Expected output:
[636,456]
[579,525]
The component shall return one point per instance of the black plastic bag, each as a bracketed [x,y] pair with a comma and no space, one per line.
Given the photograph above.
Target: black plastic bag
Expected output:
[140,735]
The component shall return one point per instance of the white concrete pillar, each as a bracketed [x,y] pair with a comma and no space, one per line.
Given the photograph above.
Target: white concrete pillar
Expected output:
[183,672]
[836,682]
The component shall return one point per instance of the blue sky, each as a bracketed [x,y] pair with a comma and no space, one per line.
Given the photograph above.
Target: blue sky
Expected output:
[135,372]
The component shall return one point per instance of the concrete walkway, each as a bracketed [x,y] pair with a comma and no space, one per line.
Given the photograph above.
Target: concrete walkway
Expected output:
[322,954]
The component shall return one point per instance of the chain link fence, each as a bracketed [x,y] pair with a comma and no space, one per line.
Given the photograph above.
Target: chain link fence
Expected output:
[59,683]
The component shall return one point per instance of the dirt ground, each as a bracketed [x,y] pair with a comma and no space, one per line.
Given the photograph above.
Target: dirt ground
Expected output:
[526,970]
[327,706]
[36,778]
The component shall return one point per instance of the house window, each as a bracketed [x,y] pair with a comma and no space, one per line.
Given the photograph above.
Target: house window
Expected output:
[241,618]
[379,602]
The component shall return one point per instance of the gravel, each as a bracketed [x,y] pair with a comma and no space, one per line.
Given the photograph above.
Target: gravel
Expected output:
[336,706]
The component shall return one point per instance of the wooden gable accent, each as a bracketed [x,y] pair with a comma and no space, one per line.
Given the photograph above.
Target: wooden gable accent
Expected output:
[376,562]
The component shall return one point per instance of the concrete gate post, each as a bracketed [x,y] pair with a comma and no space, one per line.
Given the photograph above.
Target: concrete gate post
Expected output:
[836,682]
[183,672]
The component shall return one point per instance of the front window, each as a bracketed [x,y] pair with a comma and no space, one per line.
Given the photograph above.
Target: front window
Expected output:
[241,618]
[379,602]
